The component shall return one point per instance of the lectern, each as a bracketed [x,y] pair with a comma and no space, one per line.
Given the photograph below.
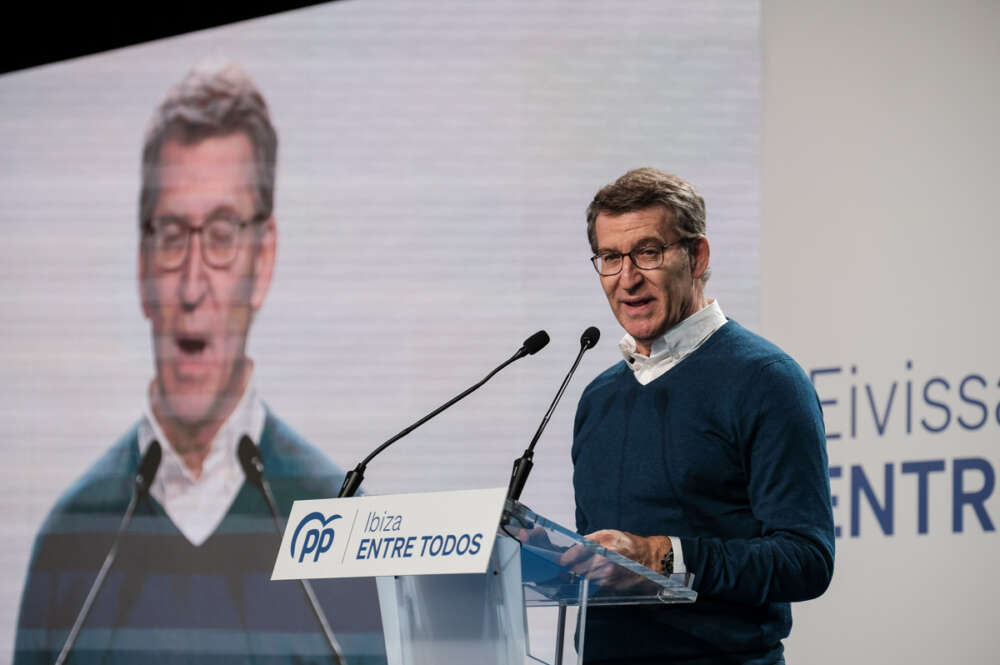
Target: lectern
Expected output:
[480,618]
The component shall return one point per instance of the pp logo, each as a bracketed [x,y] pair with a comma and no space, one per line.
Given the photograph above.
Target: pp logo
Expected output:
[318,539]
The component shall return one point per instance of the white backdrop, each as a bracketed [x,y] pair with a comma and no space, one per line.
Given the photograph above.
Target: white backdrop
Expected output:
[464,140]
[878,272]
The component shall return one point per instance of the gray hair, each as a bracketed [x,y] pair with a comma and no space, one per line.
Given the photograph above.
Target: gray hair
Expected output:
[644,188]
[214,99]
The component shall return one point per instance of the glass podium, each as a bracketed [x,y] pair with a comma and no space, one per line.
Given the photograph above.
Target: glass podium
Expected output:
[438,619]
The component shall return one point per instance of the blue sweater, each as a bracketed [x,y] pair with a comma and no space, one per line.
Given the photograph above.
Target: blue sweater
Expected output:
[727,452]
[167,601]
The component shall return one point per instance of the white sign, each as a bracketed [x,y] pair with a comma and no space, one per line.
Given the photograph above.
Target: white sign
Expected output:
[399,534]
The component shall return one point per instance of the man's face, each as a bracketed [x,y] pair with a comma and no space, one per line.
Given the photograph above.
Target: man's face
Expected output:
[201,314]
[647,303]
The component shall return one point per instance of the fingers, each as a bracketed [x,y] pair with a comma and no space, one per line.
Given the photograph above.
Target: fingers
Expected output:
[619,541]
[575,557]
[586,562]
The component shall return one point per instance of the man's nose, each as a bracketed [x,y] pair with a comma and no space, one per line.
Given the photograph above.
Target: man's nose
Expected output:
[194,278]
[631,276]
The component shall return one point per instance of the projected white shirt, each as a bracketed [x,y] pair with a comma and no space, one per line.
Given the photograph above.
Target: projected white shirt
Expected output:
[198,505]
[676,344]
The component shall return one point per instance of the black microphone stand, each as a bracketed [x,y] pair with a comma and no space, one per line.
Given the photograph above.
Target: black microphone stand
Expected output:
[253,468]
[144,478]
[524,463]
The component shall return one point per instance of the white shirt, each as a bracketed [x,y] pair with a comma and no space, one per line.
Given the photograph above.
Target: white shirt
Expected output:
[676,344]
[198,505]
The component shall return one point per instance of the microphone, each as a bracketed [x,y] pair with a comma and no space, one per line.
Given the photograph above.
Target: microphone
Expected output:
[534,344]
[589,338]
[531,346]
[253,468]
[523,464]
[148,466]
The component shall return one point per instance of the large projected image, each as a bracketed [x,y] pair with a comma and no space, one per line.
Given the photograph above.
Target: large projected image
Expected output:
[207,241]
[422,214]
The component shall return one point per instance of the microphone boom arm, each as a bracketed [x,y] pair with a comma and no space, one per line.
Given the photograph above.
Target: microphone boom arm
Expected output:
[353,479]
[148,466]
[253,468]
[524,463]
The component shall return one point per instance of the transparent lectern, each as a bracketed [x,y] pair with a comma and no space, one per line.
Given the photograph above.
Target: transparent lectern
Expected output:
[443,619]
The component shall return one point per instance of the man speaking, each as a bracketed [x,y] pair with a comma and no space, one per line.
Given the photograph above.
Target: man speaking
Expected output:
[703,451]
[190,582]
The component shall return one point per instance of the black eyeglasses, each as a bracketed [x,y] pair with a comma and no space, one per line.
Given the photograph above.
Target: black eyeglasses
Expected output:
[644,257]
[219,240]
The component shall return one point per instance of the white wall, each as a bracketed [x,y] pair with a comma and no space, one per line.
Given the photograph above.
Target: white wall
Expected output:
[878,249]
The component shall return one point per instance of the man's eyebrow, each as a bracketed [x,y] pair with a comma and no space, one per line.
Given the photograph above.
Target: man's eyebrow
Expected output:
[170,217]
[642,242]
[224,210]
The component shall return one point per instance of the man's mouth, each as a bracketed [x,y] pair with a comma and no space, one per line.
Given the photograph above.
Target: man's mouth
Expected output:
[191,344]
[636,303]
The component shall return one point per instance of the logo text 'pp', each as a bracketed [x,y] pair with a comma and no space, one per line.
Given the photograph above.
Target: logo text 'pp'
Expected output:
[317,539]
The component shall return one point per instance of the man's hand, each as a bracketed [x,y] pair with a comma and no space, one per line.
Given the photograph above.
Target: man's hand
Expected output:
[535,536]
[649,551]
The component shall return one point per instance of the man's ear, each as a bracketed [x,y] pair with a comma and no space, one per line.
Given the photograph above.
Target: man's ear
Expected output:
[264,263]
[700,253]
[144,278]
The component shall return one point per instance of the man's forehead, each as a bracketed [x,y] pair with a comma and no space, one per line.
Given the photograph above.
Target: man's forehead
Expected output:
[229,158]
[655,222]
[206,174]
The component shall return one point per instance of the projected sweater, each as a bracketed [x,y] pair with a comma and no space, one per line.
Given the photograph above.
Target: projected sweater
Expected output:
[727,452]
[167,601]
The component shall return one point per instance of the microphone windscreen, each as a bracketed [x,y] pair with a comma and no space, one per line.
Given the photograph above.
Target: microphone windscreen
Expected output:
[250,459]
[536,342]
[589,337]
[148,465]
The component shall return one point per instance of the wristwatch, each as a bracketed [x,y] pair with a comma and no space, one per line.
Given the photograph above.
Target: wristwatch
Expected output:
[667,564]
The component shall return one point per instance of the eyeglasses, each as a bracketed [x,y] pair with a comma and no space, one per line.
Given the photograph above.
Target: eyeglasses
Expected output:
[219,240]
[644,257]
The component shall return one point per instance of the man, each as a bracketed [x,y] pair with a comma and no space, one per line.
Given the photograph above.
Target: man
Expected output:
[191,581]
[702,452]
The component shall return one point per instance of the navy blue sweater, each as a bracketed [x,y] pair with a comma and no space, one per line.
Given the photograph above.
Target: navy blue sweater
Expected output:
[727,452]
[167,601]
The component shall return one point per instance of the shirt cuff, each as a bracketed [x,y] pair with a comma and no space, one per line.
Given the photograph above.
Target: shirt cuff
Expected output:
[678,549]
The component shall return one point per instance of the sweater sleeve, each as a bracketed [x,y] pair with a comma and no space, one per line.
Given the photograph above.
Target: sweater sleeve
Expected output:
[780,428]
[32,643]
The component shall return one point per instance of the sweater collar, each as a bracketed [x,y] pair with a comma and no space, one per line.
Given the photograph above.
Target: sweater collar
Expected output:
[676,343]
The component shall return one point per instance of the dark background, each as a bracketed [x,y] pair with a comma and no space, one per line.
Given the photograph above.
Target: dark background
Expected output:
[40,33]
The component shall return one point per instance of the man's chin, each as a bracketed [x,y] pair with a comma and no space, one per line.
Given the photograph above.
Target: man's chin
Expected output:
[643,328]
[192,411]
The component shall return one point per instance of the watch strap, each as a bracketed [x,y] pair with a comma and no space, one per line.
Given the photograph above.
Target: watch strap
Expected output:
[667,564]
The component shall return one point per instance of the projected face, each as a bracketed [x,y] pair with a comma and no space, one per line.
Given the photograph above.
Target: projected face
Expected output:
[204,270]
[649,302]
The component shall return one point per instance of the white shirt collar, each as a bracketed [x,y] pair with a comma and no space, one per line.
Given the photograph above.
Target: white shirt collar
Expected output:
[675,345]
[198,505]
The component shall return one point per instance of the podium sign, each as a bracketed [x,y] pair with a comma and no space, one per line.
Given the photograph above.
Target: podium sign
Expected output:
[451,589]
[401,534]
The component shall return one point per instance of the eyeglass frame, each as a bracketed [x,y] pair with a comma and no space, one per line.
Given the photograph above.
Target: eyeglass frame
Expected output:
[662,248]
[149,229]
